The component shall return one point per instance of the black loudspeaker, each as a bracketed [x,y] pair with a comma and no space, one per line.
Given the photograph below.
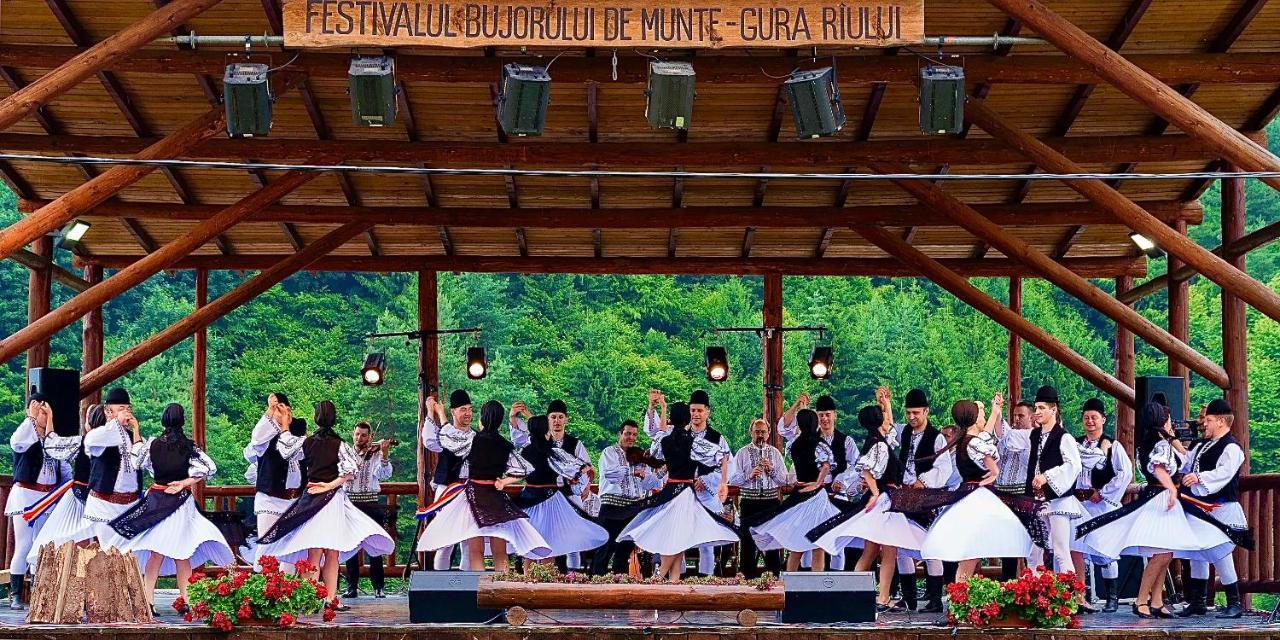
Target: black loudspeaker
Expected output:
[62,387]
[829,596]
[1165,390]
[447,596]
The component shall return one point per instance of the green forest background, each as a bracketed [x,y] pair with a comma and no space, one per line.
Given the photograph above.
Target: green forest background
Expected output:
[600,342]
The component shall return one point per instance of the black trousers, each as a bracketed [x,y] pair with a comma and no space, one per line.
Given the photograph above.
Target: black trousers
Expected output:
[378,513]
[1008,568]
[748,553]
[612,555]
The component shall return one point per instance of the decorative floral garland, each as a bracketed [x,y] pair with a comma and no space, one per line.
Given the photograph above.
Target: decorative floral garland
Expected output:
[548,574]
[1044,599]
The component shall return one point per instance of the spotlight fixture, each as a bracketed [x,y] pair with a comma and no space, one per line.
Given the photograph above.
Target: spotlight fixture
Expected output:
[669,98]
[815,102]
[69,236]
[717,363]
[371,81]
[820,362]
[375,366]
[477,364]
[246,95]
[523,95]
[941,99]
[1146,245]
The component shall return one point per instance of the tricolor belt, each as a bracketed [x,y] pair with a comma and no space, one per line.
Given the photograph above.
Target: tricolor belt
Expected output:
[363,496]
[615,500]
[115,498]
[284,494]
[759,494]
[35,486]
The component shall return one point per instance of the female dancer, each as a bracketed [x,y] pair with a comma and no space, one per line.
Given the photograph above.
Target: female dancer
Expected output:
[166,531]
[66,521]
[323,526]
[1155,525]
[979,524]
[673,521]
[481,510]
[565,527]
[807,506]
[880,532]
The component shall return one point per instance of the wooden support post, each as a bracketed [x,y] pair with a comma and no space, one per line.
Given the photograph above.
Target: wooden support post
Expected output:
[1136,83]
[1179,322]
[39,292]
[772,344]
[1015,346]
[1215,268]
[1124,370]
[152,264]
[428,374]
[91,339]
[960,287]
[224,304]
[972,221]
[199,374]
[98,57]
[1235,325]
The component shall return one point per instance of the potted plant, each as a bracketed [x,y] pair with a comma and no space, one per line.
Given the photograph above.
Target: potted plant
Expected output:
[1044,600]
[246,598]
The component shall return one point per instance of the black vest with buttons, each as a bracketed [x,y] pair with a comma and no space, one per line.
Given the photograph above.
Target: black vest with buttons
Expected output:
[1048,457]
[1208,459]
[273,469]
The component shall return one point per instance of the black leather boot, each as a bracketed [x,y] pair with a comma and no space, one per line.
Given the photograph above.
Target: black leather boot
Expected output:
[353,577]
[933,594]
[1111,595]
[910,594]
[1196,595]
[1233,610]
[15,592]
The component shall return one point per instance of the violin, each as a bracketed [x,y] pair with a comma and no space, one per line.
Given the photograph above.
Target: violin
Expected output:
[638,455]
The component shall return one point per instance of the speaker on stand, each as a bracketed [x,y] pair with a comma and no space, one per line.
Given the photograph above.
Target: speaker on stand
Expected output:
[62,388]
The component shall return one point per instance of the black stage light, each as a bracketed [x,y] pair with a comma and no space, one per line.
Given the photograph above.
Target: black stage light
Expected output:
[523,95]
[246,95]
[1146,245]
[820,362]
[477,364]
[717,363]
[941,99]
[815,102]
[69,236]
[372,84]
[374,369]
[669,98]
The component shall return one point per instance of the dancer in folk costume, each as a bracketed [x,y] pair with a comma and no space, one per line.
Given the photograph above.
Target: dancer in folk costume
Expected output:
[578,492]
[114,478]
[451,469]
[481,511]
[166,531]
[926,464]
[1053,467]
[627,474]
[565,527]
[66,521]
[1104,477]
[277,481]
[844,453]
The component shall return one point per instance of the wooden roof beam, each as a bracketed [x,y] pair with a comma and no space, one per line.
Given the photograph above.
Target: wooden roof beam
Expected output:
[960,287]
[1215,268]
[224,304]
[62,276]
[1257,239]
[691,265]
[1052,270]
[139,234]
[291,234]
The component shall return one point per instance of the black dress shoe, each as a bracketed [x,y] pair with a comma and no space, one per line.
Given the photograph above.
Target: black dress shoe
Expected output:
[1085,608]
[883,608]
[1161,612]
[1113,604]
[1137,609]
[350,593]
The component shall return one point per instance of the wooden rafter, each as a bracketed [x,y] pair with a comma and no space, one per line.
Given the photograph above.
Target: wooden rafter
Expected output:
[1254,240]
[139,234]
[748,238]
[61,276]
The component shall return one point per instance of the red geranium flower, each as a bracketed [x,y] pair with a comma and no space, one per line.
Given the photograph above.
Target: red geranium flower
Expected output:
[179,603]
[329,614]
[1073,623]
[245,612]
[195,577]
[221,621]
[321,591]
[286,620]
[202,610]
[188,617]
[224,588]
[303,566]
[269,564]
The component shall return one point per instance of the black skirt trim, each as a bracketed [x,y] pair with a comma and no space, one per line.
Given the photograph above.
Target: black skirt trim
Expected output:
[667,494]
[154,508]
[848,509]
[1242,538]
[297,515]
[489,506]
[793,500]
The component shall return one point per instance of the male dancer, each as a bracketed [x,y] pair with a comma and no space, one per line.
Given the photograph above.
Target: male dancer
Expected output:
[1053,466]
[277,482]
[41,462]
[1104,477]
[450,468]
[1013,467]
[842,447]
[924,465]
[622,484]
[557,418]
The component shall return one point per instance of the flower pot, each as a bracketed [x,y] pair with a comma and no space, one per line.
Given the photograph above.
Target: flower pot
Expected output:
[1010,620]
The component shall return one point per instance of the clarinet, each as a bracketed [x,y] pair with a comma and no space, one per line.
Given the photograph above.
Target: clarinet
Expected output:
[757,451]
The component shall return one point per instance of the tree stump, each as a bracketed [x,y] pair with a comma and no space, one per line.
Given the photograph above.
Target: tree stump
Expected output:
[86,584]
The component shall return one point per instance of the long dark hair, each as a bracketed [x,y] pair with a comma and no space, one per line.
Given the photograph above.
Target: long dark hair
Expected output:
[173,436]
[539,427]
[871,418]
[491,415]
[326,416]
[1150,423]
[95,417]
[807,420]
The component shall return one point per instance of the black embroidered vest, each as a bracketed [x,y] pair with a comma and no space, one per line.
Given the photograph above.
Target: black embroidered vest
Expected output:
[1208,459]
[924,450]
[1047,458]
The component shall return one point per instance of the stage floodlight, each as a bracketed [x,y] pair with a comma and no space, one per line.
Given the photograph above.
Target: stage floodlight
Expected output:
[941,99]
[523,95]
[820,362]
[374,369]
[669,98]
[69,236]
[815,102]
[477,364]
[371,82]
[717,363]
[1146,245]
[246,96]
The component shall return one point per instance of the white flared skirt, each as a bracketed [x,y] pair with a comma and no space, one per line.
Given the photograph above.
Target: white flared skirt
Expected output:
[20,498]
[1152,529]
[185,535]
[455,524]
[339,526]
[978,526]
[879,525]
[99,514]
[1093,509]
[787,530]
[677,526]
[65,522]
[563,527]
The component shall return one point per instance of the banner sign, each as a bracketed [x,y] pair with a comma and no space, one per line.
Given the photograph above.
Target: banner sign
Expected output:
[592,23]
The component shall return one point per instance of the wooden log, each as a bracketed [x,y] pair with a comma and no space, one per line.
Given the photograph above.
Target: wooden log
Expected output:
[1245,244]
[1179,322]
[1177,68]
[103,55]
[39,293]
[204,315]
[60,274]
[153,263]
[1052,270]
[772,356]
[1014,388]
[429,369]
[982,267]
[1235,321]
[91,340]
[1031,214]
[1215,268]
[958,286]
[1143,87]
[667,597]
[1125,372]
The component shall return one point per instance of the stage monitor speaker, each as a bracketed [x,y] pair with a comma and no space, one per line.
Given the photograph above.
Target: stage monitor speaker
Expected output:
[1166,390]
[62,387]
[447,596]
[829,596]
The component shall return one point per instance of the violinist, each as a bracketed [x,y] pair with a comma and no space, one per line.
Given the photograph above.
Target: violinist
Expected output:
[373,467]
[759,473]
[627,475]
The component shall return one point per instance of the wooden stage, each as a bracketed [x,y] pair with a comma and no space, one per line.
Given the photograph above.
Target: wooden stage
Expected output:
[389,619]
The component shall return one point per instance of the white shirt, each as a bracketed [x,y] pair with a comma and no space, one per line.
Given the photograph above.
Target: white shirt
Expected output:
[617,478]
[704,452]
[745,461]
[370,472]
[290,447]
[115,435]
[59,451]
[259,440]
[940,474]
[791,430]
[1092,457]
[1207,482]
[199,465]
[457,441]
[1014,458]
